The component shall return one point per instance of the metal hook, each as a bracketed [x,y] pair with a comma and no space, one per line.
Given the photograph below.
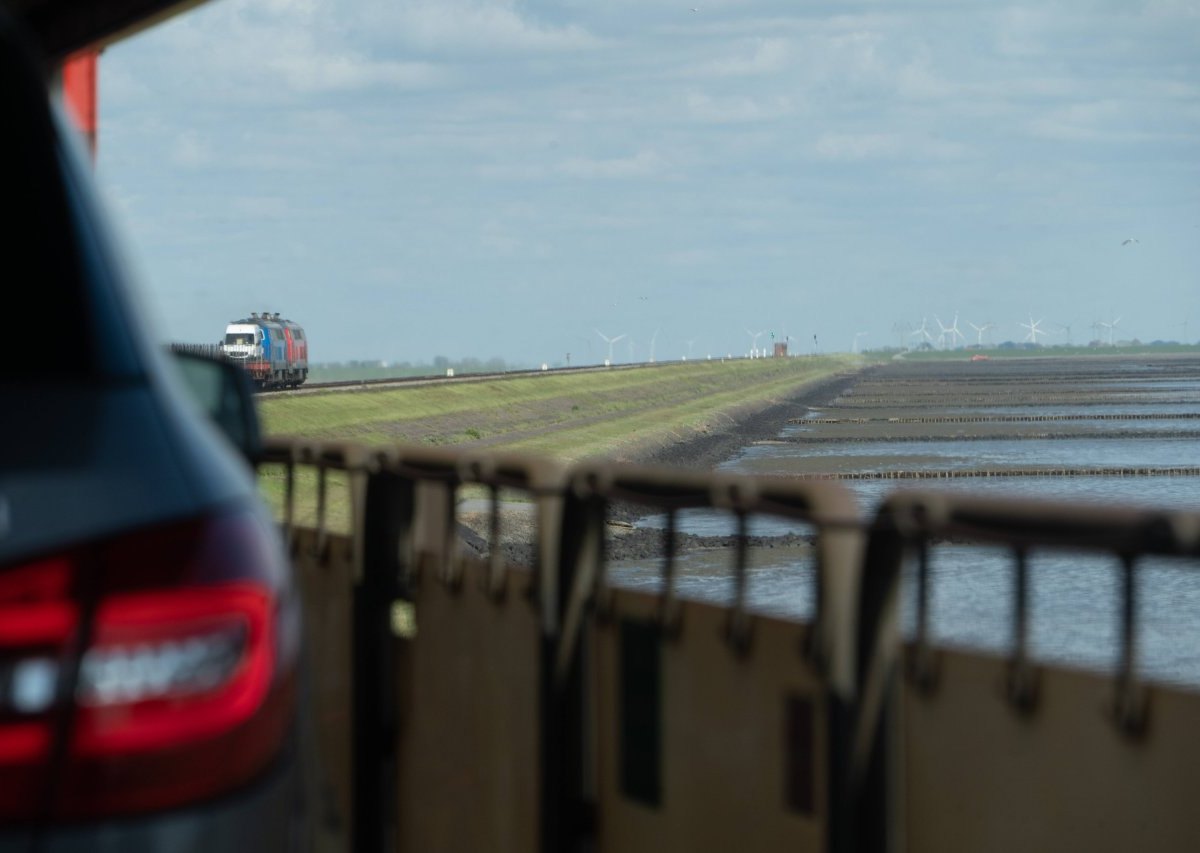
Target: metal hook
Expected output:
[322,542]
[1021,683]
[358,516]
[289,502]
[604,593]
[922,669]
[451,562]
[738,628]
[1130,707]
[668,605]
[497,566]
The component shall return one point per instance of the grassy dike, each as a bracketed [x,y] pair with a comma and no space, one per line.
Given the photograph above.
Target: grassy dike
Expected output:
[619,414]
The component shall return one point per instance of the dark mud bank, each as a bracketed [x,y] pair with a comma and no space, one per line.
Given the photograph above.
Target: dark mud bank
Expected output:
[703,451]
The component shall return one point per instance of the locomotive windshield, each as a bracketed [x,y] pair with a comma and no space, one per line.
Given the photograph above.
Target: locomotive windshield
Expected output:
[233,338]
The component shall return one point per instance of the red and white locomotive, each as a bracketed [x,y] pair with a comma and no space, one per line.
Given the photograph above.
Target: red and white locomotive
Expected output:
[273,351]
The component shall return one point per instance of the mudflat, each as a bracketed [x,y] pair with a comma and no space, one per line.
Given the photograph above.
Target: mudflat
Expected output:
[876,423]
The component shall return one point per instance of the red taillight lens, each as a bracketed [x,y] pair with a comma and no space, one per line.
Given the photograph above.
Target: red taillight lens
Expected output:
[179,694]
[169,668]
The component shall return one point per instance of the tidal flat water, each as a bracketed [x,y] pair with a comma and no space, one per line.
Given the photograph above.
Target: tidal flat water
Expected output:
[955,417]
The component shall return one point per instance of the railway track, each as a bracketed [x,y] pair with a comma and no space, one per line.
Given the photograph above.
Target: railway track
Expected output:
[439,379]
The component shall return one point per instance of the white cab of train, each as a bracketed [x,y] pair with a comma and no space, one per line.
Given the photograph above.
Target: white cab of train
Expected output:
[243,342]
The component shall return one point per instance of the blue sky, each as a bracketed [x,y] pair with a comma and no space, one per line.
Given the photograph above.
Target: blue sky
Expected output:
[411,179]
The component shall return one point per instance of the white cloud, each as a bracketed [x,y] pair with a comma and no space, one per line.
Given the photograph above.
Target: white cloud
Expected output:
[117,83]
[860,146]
[1032,87]
[314,71]
[259,207]
[512,171]
[1022,31]
[293,8]
[643,164]
[736,109]
[507,238]
[884,146]
[1171,10]
[918,80]
[306,60]
[190,151]
[765,56]
[691,257]
[477,25]
[848,55]
[256,52]
[1090,121]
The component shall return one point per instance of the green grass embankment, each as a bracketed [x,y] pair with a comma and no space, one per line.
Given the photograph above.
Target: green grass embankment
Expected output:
[611,414]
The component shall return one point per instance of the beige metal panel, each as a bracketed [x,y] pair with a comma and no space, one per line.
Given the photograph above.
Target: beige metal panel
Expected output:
[326,587]
[724,754]
[981,777]
[468,697]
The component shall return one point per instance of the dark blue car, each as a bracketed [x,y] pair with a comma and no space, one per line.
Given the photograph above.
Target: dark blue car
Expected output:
[150,633]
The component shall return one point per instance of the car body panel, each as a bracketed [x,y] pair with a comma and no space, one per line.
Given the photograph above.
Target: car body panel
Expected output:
[261,817]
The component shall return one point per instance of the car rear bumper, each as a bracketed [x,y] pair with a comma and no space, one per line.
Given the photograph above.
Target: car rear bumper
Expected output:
[265,816]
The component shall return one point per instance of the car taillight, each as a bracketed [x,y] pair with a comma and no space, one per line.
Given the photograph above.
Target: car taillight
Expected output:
[142,673]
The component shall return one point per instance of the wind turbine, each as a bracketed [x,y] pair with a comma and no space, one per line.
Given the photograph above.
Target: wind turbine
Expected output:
[610,342]
[955,333]
[854,346]
[689,343]
[942,334]
[923,331]
[1034,331]
[754,345]
[980,330]
[1066,327]
[1110,327]
[653,338]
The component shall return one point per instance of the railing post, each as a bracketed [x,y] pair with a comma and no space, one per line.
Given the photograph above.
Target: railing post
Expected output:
[865,811]
[388,516]
[566,575]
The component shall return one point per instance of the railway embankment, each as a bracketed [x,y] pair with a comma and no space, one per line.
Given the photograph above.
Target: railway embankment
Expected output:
[716,406]
[693,414]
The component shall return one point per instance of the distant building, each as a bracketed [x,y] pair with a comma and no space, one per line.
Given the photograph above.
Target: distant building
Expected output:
[780,349]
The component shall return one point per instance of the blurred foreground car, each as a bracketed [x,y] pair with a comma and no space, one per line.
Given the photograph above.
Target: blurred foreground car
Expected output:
[149,629]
